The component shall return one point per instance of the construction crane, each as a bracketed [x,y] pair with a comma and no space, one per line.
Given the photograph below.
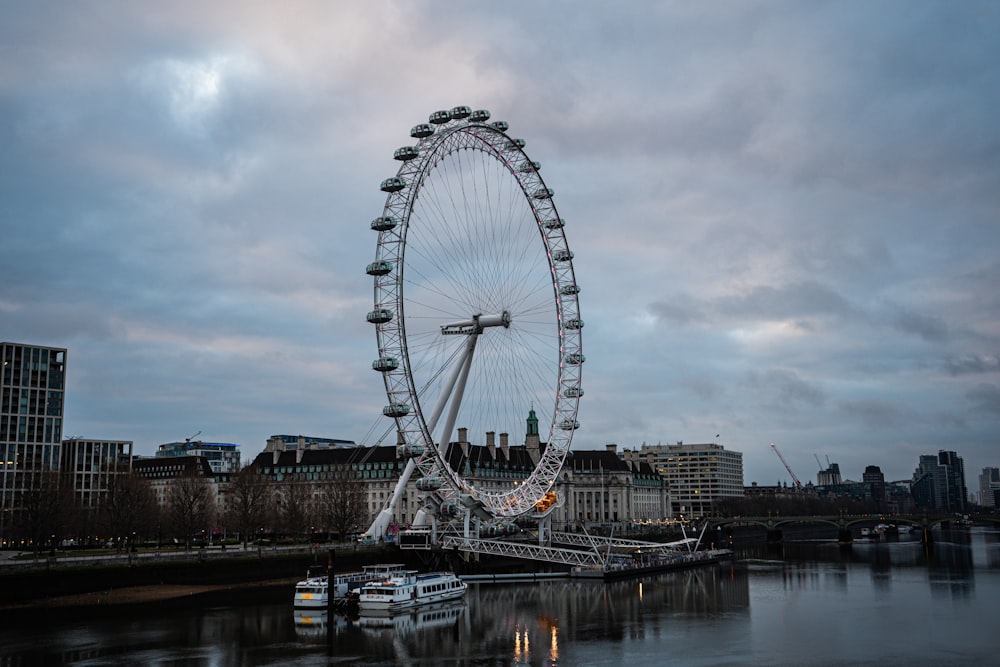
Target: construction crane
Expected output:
[798,484]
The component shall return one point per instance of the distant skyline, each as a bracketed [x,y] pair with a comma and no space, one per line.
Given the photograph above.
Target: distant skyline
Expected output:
[784,215]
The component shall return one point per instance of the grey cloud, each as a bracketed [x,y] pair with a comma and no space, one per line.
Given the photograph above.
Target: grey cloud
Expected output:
[798,302]
[785,388]
[972,364]
[985,397]
[876,413]
[930,328]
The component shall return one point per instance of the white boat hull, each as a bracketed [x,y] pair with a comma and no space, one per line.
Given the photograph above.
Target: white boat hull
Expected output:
[410,590]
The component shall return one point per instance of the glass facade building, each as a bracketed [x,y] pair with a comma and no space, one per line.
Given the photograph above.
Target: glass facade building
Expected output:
[92,465]
[32,385]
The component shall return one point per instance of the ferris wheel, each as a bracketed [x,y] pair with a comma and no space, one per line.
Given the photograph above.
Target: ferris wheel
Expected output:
[476,316]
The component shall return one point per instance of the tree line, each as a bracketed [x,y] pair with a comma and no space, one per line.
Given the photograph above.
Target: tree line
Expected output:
[247,508]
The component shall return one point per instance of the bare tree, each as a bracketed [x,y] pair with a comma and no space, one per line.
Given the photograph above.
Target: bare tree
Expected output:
[190,506]
[47,508]
[249,502]
[292,507]
[343,505]
[129,508]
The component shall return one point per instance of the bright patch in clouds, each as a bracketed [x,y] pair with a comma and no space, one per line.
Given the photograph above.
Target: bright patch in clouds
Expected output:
[193,90]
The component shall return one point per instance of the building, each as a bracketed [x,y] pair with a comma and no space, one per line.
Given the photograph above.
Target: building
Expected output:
[32,386]
[594,488]
[939,482]
[161,472]
[224,458]
[875,480]
[603,488]
[92,464]
[989,487]
[284,443]
[830,475]
[697,475]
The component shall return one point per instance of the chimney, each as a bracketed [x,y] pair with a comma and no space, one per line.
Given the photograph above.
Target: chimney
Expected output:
[491,446]
[611,447]
[463,435]
[274,456]
[503,446]
[299,451]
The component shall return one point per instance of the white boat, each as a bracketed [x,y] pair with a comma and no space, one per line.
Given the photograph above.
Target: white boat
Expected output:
[313,592]
[408,588]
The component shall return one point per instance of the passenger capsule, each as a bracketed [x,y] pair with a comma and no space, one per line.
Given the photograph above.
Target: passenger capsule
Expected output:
[554,223]
[410,451]
[575,358]
[528,167]
[394,184]
[542,193]
[574,324]
[396,410]
[573,392]
[562,255]
[440,117]
[448,510]
[379,268]
[515,143]
[385,364]
[380,316]
[406,153]
[458,113]
[421,131]
[501,125]
[569,424]
[480,116]
[569,290]
[384,224]
[429,483]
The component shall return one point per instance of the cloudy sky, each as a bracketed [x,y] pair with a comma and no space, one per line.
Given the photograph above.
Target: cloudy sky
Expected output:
[785,215]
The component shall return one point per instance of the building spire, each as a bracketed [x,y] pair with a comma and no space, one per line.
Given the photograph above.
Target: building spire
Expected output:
[532,421]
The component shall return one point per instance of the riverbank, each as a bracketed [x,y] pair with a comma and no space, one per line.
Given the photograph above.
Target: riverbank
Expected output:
[130,595]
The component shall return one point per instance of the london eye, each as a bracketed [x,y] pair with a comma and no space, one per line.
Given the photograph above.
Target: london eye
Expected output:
[476,313]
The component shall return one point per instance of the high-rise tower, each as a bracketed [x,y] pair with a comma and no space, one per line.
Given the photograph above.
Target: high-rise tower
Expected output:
[32,383]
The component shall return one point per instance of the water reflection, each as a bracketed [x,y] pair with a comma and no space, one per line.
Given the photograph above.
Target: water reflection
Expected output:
[809,603]
[528,624]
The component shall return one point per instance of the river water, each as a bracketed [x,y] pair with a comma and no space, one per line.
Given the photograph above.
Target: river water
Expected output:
[813,603]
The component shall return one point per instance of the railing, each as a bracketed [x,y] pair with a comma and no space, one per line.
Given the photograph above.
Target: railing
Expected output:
[152,556]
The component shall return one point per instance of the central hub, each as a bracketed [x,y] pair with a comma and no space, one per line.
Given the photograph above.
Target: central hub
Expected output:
[476,324]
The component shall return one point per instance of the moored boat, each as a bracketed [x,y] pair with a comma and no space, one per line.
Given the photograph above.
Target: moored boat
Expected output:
[409,588]
[619,566]
[313,592]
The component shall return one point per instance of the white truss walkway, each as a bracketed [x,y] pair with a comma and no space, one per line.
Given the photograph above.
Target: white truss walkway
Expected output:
[591,557]
[595,541]
[526,551]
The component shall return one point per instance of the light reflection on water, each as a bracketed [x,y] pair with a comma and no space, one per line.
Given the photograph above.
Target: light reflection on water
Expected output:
[811,603]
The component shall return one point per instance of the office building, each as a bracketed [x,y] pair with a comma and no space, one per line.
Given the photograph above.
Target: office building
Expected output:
[32,385]
[697,475]
[939,482]
[224,458]
[989,487]
[93,464]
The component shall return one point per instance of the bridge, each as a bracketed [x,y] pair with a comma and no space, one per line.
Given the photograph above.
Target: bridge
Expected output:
[844,523]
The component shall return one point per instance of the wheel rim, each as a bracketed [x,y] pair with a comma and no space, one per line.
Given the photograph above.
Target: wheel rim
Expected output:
[470,228]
